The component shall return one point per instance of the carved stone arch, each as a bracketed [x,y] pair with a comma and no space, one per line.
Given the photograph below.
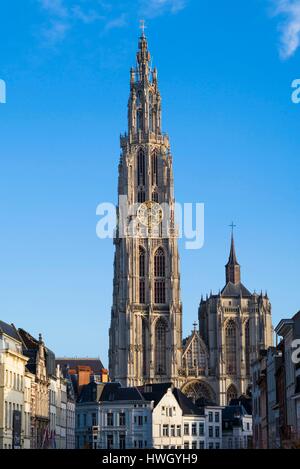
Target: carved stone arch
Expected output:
[231,393]
[195,356]
[199,391]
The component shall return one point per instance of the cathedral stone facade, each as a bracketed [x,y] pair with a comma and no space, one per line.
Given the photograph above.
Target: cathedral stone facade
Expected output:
[145,336]
[145,333]
[235,325]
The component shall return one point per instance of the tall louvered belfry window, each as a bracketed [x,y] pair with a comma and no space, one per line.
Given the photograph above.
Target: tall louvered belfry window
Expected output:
[247,347]
[159,277]
[142,275]
[144,345]
[141,168]
[230,333]
[160,347]
[154,168]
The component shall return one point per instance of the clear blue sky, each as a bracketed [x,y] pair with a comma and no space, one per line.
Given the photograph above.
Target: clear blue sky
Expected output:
[225,72]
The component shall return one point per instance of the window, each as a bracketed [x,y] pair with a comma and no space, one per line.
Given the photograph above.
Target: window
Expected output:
[139,119]
[210,432]
[140,420]
[194,429]
[122,421]
[159,292]
[160,347]
[159,263]
[110,441]
[247,347]
[142,275]
[178,430]
[210,416]
[154,168]
[217,445]
[186,445]
[217,432]
[230,333]
[165,430]
[84,420]
[110,419]
[94,419]
[144,345]
[122,444]
[141,168]
[186,429]
[217,417]
[159,277]
[173,430]
[141,262]
[201,429]
[211,446]
[141,196]
[194,444]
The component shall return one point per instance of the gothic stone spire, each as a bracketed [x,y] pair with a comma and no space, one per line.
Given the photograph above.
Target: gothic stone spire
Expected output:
[233,269]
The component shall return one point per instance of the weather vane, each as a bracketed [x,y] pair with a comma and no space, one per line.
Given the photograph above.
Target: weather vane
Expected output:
[142,27]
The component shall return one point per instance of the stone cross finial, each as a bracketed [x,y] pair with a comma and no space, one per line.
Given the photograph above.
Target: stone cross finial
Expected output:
[142,27]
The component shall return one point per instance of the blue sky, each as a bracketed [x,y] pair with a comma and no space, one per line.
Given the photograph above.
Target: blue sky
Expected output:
[225,73]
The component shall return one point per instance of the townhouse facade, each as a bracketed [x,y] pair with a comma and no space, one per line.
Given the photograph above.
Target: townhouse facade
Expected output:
[109,416]
[276,390]
[37,403]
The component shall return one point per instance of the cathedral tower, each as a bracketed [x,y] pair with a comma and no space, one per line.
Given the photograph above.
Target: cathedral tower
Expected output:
[235,325]
[145,332]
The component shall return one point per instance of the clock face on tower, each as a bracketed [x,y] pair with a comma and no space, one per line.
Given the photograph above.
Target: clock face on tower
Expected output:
[150,214]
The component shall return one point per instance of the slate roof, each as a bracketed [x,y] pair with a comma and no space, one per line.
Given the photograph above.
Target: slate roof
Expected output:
[187,406]
[232,256]
[235,290]
[232,416]
[104,392]
[154,392]
[244,401]
[9,330]
[94,363]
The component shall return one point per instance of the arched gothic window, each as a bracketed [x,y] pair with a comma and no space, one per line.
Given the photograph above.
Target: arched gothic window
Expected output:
[141,168]
[247,347]
[159,263]
[231,393]
[142,275]
[230,333]
[160,347]
[154,168]
[159,277]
